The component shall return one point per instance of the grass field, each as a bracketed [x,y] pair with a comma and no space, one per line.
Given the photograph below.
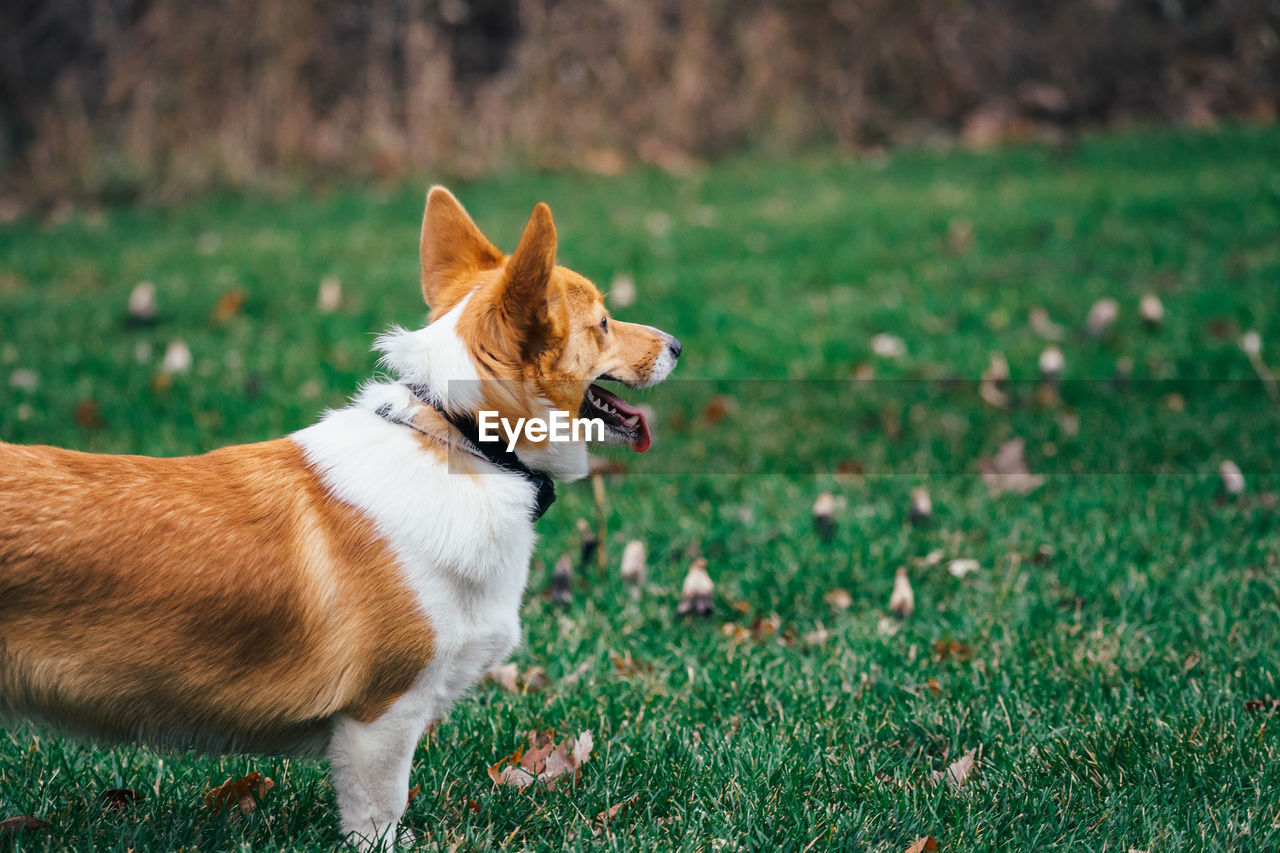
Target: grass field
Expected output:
[1103,685]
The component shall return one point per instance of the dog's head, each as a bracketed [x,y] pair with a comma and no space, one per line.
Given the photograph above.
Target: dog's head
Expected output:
[536,335]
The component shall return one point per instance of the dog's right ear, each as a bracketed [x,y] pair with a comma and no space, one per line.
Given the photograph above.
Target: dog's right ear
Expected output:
[452,251]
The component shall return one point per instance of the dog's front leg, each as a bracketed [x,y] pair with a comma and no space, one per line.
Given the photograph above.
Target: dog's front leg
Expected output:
[370,764]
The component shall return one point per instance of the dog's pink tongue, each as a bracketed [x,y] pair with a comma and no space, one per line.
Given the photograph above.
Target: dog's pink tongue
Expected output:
[644,439]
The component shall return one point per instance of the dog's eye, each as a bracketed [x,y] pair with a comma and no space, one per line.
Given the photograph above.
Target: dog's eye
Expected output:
[604,324]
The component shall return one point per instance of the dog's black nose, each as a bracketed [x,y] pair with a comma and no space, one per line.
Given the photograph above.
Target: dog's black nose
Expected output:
[674,346]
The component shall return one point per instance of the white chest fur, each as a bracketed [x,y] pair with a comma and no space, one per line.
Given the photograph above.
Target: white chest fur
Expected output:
[463,541]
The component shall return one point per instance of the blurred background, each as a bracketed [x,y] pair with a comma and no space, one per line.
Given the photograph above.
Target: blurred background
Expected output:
[126,99]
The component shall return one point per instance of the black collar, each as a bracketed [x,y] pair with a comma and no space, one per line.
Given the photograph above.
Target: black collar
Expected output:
[494,451]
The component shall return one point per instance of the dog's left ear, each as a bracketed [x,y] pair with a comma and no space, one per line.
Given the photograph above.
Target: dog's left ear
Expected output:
[526,299]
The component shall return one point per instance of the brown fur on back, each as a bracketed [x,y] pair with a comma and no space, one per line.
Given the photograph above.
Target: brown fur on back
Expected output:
[224,601]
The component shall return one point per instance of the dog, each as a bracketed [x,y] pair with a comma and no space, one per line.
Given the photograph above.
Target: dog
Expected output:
[333,592]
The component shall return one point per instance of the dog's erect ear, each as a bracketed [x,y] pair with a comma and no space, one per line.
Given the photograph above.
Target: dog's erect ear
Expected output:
[452,250]
[525,301]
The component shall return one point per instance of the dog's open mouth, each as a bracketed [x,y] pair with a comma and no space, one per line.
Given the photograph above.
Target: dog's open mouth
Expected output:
[623,421]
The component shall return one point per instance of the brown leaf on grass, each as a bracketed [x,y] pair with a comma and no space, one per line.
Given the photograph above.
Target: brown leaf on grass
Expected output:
[89,415]
[1007,470]
[229,305]
[903,600]
[947,649]
[601,824]
[118,798]
[544,761]
[927,844]
[718,408]
[838,599]
[1262,705]
[509,677]
[413,793]
[625,665]
[23,823]
[957,772]
[245,792]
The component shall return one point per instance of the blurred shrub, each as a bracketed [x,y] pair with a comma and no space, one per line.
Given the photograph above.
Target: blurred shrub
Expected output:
[121,97]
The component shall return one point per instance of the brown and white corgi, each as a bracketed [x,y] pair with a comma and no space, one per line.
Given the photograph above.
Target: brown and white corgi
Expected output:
[333,592]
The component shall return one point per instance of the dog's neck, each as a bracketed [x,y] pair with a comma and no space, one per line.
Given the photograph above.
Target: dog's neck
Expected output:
[469,439]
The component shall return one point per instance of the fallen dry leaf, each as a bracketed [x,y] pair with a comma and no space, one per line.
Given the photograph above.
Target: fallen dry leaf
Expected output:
[624,664]
[601,824]
[947,649]
[544,761]
[838,599]
[89,415]
[118,798]
[229,305]
[697,591]
[509,677]
[817,636]
[903,601]
[1262,705]
[960,568]
[245,792]
[718,409]
[23,823]
[927,844]
[957,772]
[413,793]
[1007,470]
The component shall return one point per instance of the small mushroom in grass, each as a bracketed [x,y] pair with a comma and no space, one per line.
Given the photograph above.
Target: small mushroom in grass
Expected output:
[329,296]
[1232,477]
[1123,372]
[696,594]
[824,516]
[1102,316]
[589,542]
[1151,309]
[921,506]
[1051,364]
[634,570]
[177,358]
[903,601]
[142,304]
[995,379]
[1045,327]
[560,579]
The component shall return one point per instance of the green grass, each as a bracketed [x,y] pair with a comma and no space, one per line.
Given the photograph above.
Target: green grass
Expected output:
[1107,688]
